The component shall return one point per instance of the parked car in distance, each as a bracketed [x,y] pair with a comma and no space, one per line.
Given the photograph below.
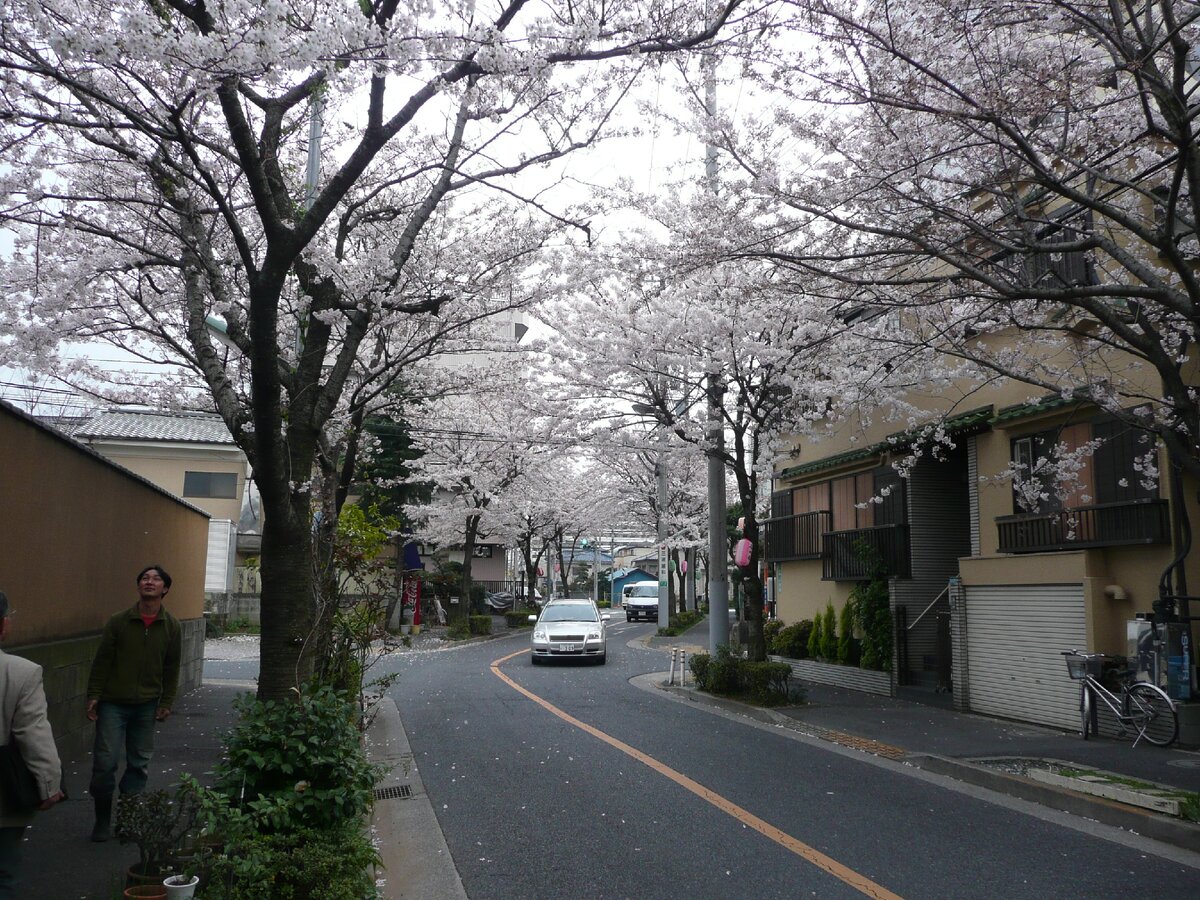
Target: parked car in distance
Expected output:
[640,600]
[569,629]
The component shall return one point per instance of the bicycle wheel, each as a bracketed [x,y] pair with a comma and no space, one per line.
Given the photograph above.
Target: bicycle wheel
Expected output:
[1085,711]
[1151,712]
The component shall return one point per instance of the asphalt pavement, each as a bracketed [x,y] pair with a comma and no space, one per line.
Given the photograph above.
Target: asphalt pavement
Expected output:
[61,862]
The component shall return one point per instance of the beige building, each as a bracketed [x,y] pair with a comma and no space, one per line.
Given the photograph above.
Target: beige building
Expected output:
[985,595]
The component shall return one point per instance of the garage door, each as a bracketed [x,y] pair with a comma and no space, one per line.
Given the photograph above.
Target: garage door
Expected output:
[1015,638]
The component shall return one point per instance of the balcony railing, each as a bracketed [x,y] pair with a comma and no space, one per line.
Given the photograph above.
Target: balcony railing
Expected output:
[795,537]
[844,560]
[1104,525]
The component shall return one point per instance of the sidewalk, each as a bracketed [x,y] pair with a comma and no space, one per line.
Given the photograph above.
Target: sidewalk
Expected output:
[1013,758]
[60,861]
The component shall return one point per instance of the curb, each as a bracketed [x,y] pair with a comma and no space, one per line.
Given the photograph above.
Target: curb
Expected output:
[414,858]
[1177,833]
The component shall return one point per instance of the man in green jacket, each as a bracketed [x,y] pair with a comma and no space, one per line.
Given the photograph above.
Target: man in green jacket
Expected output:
[133,683]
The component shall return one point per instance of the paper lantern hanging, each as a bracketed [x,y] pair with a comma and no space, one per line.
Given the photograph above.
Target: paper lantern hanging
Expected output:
[683,567]
[741,552]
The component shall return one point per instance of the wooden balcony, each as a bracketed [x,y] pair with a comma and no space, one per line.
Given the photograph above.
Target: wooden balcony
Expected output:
[1104,525]
[844,560]
[795,537]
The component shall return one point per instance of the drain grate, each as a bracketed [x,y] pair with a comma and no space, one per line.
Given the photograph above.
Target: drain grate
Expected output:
[398,792]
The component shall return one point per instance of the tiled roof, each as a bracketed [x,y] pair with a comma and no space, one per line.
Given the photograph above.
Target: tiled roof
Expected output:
[139,425]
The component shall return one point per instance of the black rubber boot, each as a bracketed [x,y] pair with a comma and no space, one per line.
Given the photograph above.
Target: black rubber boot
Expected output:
[102,830]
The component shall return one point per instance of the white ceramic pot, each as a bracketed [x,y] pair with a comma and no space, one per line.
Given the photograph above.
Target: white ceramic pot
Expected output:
[181,887]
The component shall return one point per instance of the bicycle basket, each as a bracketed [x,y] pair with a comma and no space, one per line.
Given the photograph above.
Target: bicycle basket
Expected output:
[1079,666]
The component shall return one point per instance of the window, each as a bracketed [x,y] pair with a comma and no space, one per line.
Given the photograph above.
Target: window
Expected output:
[1116,463]
[1058,269]
[852,496]
[216,485]
[1109,475]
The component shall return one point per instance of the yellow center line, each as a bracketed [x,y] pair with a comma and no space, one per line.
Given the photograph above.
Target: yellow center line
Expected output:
[747,818]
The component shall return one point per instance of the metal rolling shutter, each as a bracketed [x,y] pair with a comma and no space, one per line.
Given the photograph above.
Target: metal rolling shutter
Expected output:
[1015,638]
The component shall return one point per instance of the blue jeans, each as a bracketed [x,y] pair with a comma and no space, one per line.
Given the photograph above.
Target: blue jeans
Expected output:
[10,860]
[130,725]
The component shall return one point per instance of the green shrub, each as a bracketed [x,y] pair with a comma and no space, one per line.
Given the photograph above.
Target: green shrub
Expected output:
[722,672]
[680,622]
[829,633]
[792,640]
[478,603]
[212,628]
[517,619]
[297,764]
[873,612]
[845,649]
[458,630]
[603,604]
[313,864]
[768,683]
[479,624]
[771,633]
[814,638]
[765,682]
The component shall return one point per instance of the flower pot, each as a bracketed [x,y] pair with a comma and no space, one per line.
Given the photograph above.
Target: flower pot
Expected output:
[147,891]
[181,887]
[135,877]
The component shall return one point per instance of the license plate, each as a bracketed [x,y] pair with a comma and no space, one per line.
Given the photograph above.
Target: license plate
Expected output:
[568,648]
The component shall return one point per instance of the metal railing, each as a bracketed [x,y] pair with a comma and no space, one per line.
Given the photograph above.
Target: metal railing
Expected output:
[795,537]
[845,562]
[1102,525]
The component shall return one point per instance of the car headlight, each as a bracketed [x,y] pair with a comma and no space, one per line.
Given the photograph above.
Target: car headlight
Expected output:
[593,636]
[539,635]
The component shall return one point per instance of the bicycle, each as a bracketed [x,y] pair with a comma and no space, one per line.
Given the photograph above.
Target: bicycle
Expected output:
[1143,706]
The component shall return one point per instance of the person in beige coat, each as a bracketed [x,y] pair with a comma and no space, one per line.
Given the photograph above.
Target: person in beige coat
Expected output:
[23,720]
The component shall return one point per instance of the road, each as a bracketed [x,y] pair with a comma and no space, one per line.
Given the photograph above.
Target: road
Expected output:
[578,781]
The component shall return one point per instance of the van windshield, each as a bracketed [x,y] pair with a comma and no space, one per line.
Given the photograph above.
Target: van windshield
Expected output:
[644,590]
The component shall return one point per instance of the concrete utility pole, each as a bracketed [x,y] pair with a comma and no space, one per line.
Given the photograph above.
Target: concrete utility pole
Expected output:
[662,499]
[718,574]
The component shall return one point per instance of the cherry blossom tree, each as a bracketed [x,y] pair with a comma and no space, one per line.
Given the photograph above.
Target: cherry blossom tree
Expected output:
[662,317]
[162,178]
[1024,168]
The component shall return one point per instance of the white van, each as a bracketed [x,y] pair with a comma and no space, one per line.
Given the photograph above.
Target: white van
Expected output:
[640,599]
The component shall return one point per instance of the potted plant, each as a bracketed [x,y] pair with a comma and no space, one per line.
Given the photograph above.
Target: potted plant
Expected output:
[181,887]
[156,821]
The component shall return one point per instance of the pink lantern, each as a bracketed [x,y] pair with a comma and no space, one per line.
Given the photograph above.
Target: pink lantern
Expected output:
[741,552]
[742,523]
[683,567]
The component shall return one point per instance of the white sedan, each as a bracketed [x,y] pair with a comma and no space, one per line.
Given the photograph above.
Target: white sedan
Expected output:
[569,629]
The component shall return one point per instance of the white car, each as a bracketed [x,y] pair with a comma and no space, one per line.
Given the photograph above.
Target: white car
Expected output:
[569,629]
[640,600]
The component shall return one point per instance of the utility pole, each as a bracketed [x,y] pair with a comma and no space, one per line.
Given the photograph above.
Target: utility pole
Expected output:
[662,499]
[718,554]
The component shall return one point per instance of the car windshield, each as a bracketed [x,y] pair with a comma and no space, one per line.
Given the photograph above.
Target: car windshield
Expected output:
[644,591]
[569,612]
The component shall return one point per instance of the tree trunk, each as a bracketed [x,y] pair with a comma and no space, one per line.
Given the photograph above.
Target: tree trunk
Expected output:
[287,600]
[471,532]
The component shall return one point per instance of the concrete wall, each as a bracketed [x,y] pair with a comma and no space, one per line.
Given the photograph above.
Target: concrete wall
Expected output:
[74,532]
